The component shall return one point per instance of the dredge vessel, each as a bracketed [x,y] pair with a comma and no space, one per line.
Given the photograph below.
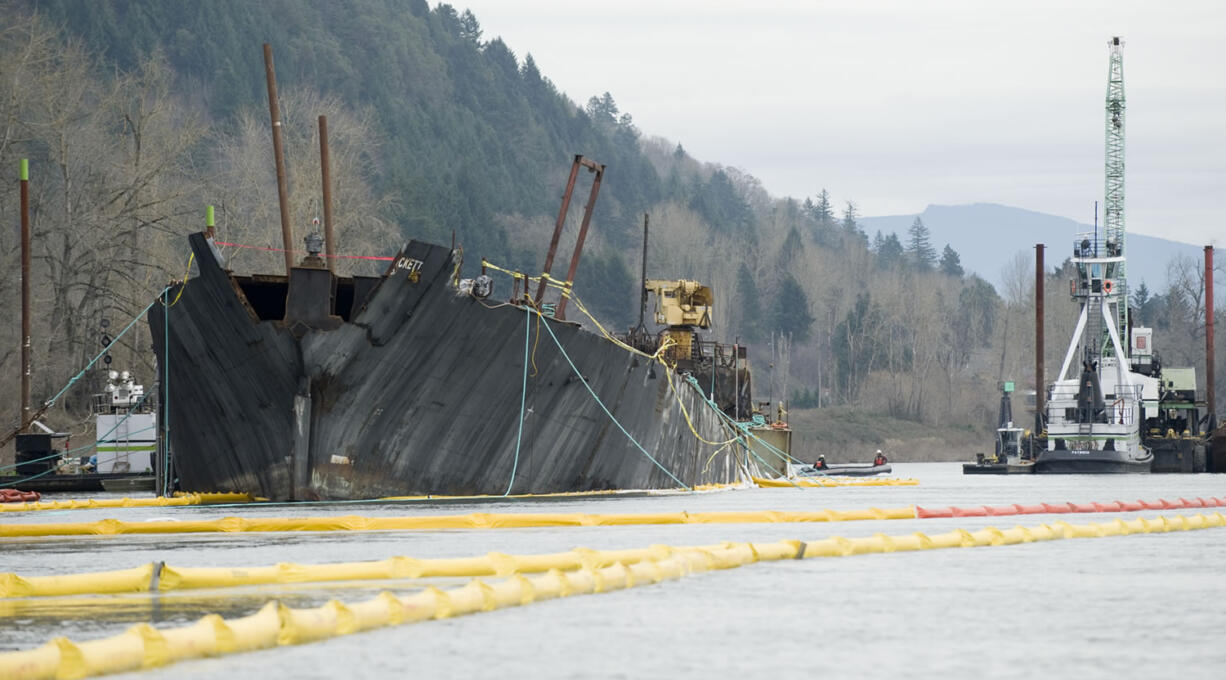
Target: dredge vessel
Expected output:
[1123,407]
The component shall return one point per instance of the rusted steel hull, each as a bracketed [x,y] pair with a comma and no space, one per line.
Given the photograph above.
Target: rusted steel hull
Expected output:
[409,387]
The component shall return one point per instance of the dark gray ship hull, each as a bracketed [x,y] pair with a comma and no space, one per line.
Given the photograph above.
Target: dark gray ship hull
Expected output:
[401,385]
[1061,461]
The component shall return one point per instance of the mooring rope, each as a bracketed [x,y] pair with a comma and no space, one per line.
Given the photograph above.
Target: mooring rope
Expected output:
[606,410]
[51,402]
[523,397]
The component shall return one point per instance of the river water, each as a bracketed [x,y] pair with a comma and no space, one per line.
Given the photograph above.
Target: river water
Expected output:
[1132,606]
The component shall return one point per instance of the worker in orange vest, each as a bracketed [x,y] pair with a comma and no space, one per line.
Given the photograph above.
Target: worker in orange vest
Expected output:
[880,459]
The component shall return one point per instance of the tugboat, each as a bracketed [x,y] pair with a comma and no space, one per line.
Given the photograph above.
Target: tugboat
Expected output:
[1011,458]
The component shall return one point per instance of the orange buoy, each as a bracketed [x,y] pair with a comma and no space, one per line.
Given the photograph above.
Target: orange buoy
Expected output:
[18,496]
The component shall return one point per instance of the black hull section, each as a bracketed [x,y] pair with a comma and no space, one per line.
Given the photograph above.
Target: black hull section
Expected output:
[417,391]
[1089,462]
[85,481]
[1178,455]
[997,469]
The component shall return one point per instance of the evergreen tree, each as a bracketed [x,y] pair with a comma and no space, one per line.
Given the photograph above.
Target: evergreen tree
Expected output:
[792,246]
[790,315]
[889,254]
[823,219]
[975,322]
[530,72]
[919,246]
[470,29]
[749,304]
[849,218]
[951,262]
[809,208]
[719,202]
[603,109]
[1140,296]
[1143,305]
[607,286]
[823,212]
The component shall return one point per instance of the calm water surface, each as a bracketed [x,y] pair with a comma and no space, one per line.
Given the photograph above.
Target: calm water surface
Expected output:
[1135,606]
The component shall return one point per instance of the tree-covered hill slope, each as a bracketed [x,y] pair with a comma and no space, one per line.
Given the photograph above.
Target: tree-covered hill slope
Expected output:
[466,128]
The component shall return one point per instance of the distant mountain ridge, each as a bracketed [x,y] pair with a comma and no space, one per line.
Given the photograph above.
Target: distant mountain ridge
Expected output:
[988,235]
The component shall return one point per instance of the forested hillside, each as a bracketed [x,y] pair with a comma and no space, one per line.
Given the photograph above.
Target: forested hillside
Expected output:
[135,114]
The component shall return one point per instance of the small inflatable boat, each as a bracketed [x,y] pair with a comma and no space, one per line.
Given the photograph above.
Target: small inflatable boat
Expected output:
[844,470]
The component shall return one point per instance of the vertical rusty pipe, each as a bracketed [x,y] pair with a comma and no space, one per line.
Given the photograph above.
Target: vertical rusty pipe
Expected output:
[1209,358]
[643,278]
[1040,387]
[25,294]
[736,378]
[587,219]
[557,228]
[326,171]
[287,235]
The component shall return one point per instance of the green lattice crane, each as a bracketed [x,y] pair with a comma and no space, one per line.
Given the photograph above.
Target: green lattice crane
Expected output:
[1113,197]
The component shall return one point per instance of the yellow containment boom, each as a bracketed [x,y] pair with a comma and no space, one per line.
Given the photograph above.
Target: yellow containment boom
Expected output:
[143,646]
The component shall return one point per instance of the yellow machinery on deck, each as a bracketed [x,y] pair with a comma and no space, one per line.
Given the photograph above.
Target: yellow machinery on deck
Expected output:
[681,305]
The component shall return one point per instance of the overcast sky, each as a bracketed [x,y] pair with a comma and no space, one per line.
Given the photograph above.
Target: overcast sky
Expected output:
[896,104]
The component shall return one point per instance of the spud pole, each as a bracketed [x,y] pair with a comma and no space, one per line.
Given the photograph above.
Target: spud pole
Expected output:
[25,293]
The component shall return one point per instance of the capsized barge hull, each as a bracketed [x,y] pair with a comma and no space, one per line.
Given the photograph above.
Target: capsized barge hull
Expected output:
[403,385]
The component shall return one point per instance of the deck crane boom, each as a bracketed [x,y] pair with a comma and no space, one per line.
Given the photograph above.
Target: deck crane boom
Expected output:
[1113,195]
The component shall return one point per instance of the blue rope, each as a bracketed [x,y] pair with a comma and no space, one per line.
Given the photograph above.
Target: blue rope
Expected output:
[746,432]
[757,420]
[34,460]
[106,349]
[13,484]
[523,396]
[606,410]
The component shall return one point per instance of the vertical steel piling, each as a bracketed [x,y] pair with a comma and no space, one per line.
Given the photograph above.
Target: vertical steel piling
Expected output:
[25,294]
[287,234]
[1040,388]
[326,173]
[1210,393]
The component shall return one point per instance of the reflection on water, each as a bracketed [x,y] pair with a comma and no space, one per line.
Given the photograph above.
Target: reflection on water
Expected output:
[21,618]
[1060,609]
